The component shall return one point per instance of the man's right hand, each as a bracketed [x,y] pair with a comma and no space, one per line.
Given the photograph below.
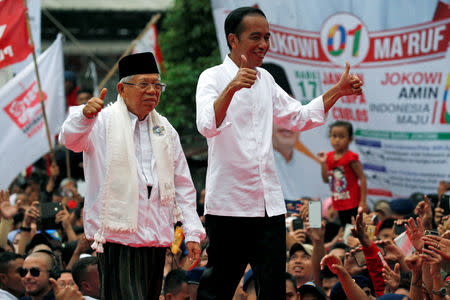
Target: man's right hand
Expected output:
[94,105]
[245,77]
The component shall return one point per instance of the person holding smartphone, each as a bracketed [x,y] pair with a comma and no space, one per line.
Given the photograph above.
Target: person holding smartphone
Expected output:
[372,254]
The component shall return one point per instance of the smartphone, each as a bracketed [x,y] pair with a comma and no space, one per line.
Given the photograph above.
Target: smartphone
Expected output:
[347,232]
[293,206]
[297,223]
[48,212]
[399,228]
[370,231]
[445,204]
[315,214]
[433,198]
[430,232]
[359,258]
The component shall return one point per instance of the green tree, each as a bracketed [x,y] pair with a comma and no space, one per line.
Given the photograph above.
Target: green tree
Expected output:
[189,46]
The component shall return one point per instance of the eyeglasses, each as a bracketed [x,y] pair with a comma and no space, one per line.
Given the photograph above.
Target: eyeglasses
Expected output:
[35,272]
[145,85]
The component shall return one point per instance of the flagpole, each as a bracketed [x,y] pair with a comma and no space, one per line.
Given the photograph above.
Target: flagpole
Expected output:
[41,95]
[69,173]
[111,72]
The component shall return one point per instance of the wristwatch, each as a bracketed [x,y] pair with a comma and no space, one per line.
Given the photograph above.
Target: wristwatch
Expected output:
[441,292]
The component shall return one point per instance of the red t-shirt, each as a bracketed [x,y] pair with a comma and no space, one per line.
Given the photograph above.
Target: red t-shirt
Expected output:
[71,99]
[345,191]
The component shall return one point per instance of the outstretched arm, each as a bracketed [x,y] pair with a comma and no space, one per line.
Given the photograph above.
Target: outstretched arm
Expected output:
[351,289]
[348,85]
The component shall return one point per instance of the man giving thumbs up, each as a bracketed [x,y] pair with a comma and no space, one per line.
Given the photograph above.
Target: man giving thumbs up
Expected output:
[237,104]
[138,182]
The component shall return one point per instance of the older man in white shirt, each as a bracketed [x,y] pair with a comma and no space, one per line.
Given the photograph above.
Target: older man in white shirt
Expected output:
[138,182]
[237,104]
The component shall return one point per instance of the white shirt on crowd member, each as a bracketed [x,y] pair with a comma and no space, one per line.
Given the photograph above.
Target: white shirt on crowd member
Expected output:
[241,179]
[155,221]
[5,295]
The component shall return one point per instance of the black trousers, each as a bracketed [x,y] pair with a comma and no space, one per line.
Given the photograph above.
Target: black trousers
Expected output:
[235,242]
[345,216]
[131,273]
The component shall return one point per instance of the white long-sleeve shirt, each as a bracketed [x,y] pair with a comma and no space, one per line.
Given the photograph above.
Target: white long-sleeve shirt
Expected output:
[155,221]
[241,179]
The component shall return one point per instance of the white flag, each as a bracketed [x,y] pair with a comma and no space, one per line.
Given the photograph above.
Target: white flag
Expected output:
[149,43]
[23,139]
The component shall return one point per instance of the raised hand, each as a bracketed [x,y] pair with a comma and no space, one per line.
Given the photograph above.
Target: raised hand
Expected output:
[94,105]
[350,264]
[434,259]
[423,210]
[414,263]
[31,214]
[245,77]
[349,84]
[63,217]
[359,231]
[83,244]
[415,232]
[65,293]
[438,214]
[315,234]
[333,263]
[391,277]
[7,211]
[299,235]
[393,253]
[439,245]
[322,156]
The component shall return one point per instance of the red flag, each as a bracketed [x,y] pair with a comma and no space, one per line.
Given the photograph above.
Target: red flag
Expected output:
[14,39]
[158,53]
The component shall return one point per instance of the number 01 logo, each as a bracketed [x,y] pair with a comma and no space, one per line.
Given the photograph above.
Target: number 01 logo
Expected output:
[344,37]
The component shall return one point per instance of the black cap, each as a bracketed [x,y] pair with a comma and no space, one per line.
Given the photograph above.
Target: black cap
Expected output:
[140,63]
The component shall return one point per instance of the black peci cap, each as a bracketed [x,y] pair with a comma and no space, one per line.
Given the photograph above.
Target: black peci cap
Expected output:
[140,63]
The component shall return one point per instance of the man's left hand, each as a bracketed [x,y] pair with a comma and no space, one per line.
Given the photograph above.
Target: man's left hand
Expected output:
[350,84]
[194,253]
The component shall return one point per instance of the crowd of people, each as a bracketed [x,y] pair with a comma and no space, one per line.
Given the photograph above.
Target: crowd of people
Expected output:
[375,259]
[115,233]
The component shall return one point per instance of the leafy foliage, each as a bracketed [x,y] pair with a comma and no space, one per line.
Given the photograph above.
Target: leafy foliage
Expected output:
[189,46]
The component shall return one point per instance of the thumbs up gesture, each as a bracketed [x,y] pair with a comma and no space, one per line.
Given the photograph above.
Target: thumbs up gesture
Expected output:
[350,84]
[94,105]
[245,77]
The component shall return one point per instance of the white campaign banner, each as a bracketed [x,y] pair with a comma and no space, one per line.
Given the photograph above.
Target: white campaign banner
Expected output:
[400,50]
[24,139]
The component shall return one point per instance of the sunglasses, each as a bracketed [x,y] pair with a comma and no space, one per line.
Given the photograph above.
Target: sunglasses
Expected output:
[35,272]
